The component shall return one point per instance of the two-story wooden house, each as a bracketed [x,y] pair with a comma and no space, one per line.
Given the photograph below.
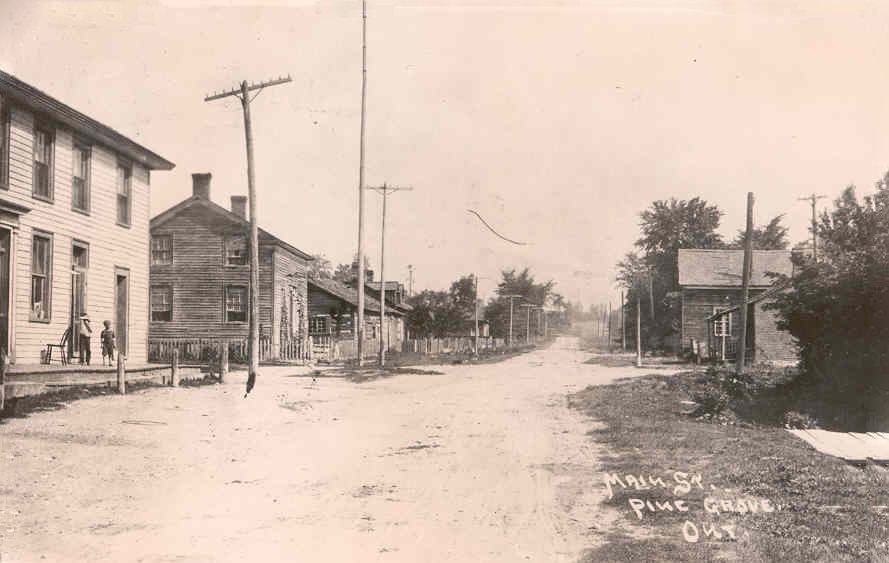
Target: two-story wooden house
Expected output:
[74,211]
[200,280]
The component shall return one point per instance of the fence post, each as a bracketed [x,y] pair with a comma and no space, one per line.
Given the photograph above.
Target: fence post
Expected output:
[121,373]
[223,361]
[174,368]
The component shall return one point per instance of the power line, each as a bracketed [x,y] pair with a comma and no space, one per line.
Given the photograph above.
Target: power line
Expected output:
[495,232]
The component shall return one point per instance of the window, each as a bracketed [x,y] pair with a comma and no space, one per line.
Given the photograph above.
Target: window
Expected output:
[723,325]
[235,304]
[4,145]
[80,178]
[43,166]
[161,303]
[41,269]
[318,324]
[124,193]
[235,250]
[161,250]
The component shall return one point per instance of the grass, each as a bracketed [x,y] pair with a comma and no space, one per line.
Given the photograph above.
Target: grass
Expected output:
[826,511]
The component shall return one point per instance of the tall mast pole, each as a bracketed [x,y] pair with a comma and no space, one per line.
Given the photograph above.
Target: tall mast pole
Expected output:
[359,334]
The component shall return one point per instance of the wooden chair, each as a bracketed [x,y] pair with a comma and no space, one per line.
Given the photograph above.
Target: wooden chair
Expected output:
[62,346]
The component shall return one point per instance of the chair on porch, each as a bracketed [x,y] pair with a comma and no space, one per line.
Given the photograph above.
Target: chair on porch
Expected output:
[62,346]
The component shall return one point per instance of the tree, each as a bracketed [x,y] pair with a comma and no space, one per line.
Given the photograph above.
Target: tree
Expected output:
[530,292]
[771,236]
[320,267]
[666,226]
[836,308]
[346,273]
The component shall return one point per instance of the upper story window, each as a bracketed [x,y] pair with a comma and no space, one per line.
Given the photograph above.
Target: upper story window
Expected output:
[41,270]
[235,250]
[80,177]
[44,139]
[161,250]
[124,193]
[4,145]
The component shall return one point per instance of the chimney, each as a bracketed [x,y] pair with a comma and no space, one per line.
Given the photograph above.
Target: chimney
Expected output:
[201,185]
[239,206]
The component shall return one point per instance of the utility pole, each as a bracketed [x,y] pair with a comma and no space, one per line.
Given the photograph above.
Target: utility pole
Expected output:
[510,297]
[528,323]
[610,339]
[475,278]
[243,94]
[812,199]
[638,330]
[623,327]
[410,284]
[384,341]
[651,293]
[359,333]
[745,285]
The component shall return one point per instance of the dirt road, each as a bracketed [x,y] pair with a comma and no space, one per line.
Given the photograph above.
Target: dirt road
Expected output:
[478,463]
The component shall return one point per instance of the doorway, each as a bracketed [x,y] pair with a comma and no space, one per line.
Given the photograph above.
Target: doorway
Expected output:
[121,309]
[5,238]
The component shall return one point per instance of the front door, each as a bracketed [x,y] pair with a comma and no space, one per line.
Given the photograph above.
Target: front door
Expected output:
[5,236]
[121,301]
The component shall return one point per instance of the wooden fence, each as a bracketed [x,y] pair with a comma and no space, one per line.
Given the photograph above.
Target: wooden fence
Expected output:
[203,350]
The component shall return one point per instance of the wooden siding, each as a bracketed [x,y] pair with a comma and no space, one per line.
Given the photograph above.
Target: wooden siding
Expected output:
[289,276]
[110,245]
[198,276]
[772,345]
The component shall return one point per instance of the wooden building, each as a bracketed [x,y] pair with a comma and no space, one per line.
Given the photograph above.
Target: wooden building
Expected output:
[74,215]
[333,308]
[200,279]
[710,283]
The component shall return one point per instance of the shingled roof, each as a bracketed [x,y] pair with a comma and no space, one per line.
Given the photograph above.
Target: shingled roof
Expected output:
[723,268]
[349,295]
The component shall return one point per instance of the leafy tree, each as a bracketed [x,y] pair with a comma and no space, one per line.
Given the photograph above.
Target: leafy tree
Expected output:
[836,308]
[529,291]
[666,226]
[346,273]
[771,236]
[320,267]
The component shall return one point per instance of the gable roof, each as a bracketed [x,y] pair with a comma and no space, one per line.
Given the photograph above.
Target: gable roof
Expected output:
[348,294]
[723,268]
[390,285]
[26,95]
[197,201]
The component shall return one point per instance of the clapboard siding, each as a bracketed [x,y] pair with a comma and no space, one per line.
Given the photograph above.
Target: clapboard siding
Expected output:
[198,277]
[111,246]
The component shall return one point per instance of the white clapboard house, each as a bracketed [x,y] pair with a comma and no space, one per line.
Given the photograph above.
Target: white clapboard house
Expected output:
[74,214]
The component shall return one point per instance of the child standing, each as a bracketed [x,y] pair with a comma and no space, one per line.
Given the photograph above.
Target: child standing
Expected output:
[108,344]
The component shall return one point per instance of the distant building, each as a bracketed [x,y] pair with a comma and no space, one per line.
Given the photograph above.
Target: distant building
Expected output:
[74,216]
[200,278]
[333,308]
[710,283]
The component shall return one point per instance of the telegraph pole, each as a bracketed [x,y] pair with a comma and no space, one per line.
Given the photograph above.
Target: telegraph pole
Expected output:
[745,284]
[243,94]
[638,330]
[528,323]
[623,327]
[813,199]
[384,190]
[359,333]
[410,285]
[510,297]
[475,278]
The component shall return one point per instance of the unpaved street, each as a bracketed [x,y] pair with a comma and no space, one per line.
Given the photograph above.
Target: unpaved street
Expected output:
[480,463]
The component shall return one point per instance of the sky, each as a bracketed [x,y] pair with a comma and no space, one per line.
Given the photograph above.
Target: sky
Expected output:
[557,121]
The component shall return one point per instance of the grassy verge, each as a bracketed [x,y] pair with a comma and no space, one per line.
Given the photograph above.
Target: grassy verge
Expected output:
[822,508]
